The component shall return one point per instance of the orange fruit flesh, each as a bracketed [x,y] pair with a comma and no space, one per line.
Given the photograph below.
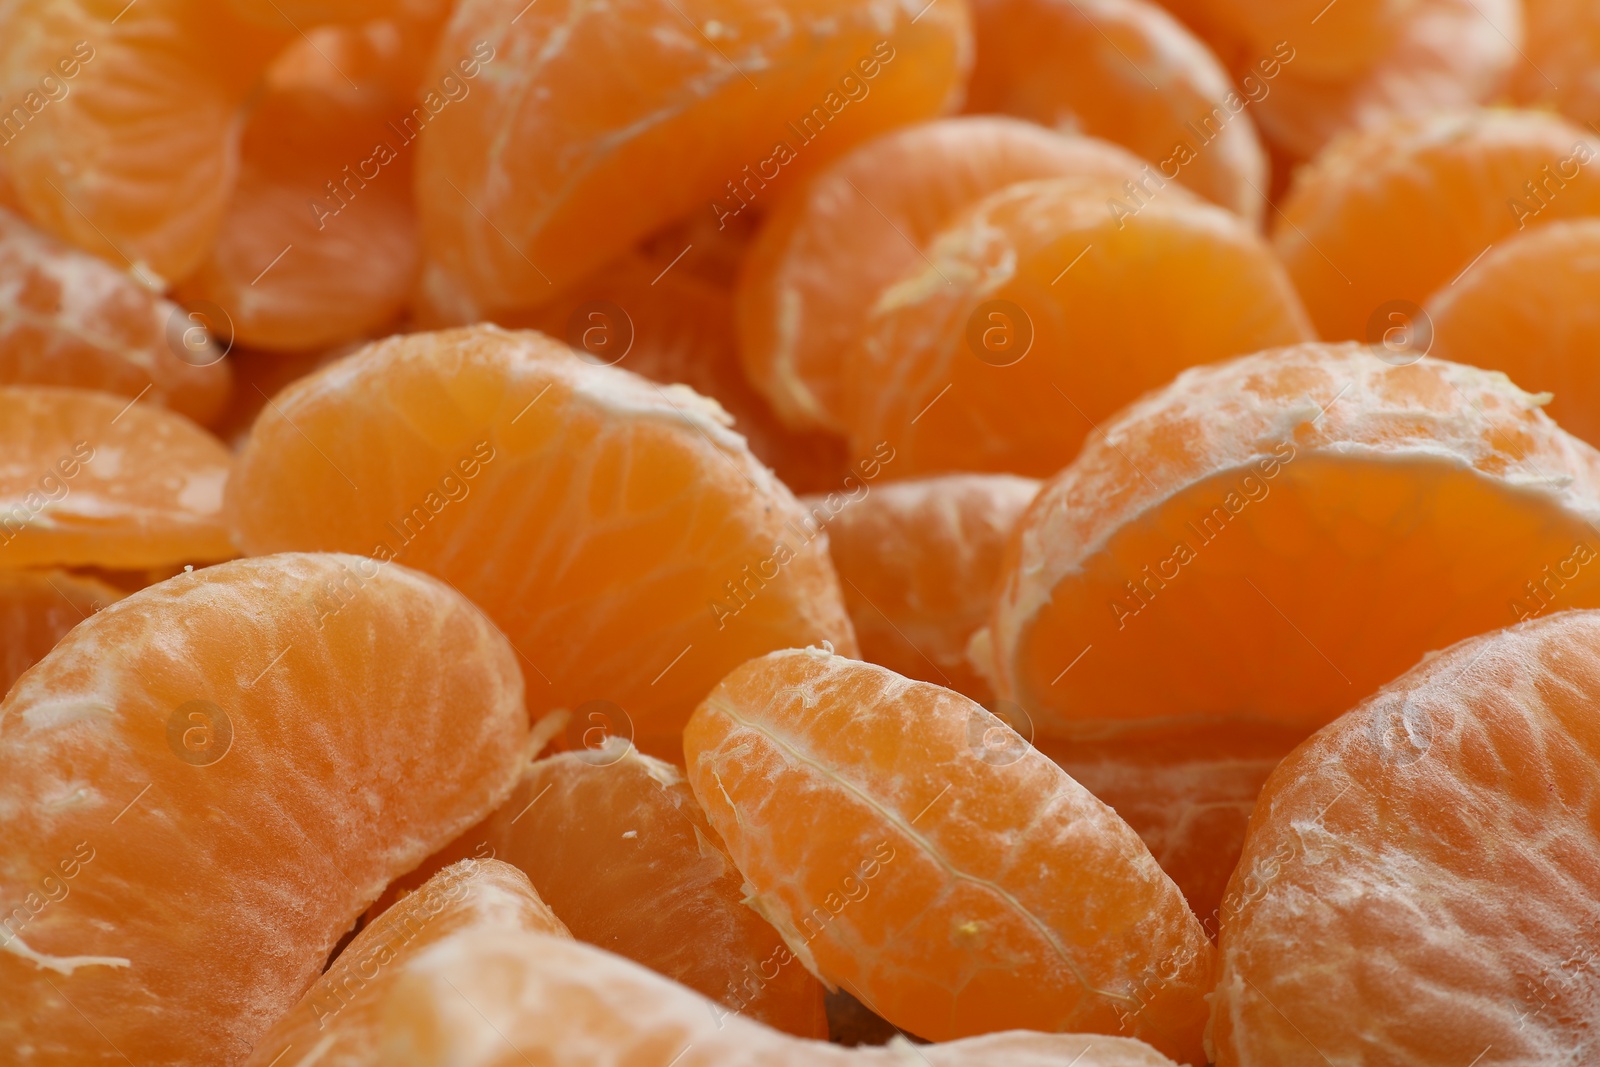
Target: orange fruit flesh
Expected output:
[319,242]
[1127,71]
[258,377]
[506,998]
[96,479]
[1289,492]
[232,697]
[66,318]
[954,886]
[1531,308]
[662,322]
[603,828]
[1396,212]
[1559,54]
[567,500]
[136,160]
[712,90]
[919,563]
[37,608]
[831,247]
[339,1021]
[1041,312]
[1431,848]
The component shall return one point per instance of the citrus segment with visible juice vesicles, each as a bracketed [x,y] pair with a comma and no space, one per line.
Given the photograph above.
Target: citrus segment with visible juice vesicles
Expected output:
[1272,537]
[66,318]
[37,608]
[318,245]
[1046,307]
[953,885]
[90,478]
[532,181]
[1127,71]
[258,377]
[507,998]
[668,325]
[569,501]
[1531,307]
[339,1021]
[133,154]
[1427,865]
[600,830]
[919,562]
[824,257]
[1385,217]
[210,779]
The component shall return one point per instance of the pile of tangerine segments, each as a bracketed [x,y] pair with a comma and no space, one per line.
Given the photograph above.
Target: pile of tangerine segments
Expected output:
[692,533]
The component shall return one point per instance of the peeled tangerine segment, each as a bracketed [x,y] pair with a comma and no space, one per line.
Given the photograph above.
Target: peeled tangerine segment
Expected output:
[339,1022]
[571,502]
[1046,307]
[509,998]
[37,608]
[1271,538]
[205,783]
[920,563]
[67,318]
[600,831]
[725,102]
[1365,891]
[88,478]
[1125,70]
[830,248]
[953,885]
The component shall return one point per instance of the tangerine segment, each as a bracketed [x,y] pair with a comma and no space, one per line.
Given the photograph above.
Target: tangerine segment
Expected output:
[1220,550]
[822,260]
[662,322]
[532,181]
[66,318]
[1561,54]
[507,998]
[956,887]
[1531,307]
[98,480]
[1047,307]
[37,608]
[1365,891]
[1125,70]
[1385,217]
[278,737]
[134,157]
[319,243]
[920,564]
[1187,793]
[339,1021]
[602,829]
[569,501]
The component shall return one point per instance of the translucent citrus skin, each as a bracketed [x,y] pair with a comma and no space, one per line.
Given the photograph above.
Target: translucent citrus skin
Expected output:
[1127,71]
[919,562]
[823,259]
[568,501]
[339,1022]
[914,851]
[1433,849]
[1398,211]
[506,998]
[1283,495]
[1116,300]
[37,608]
[1561,53]
[67,318]
[603,828]
[713,87]
[328,745]
[1531,307]
[135,162]
[94,479]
